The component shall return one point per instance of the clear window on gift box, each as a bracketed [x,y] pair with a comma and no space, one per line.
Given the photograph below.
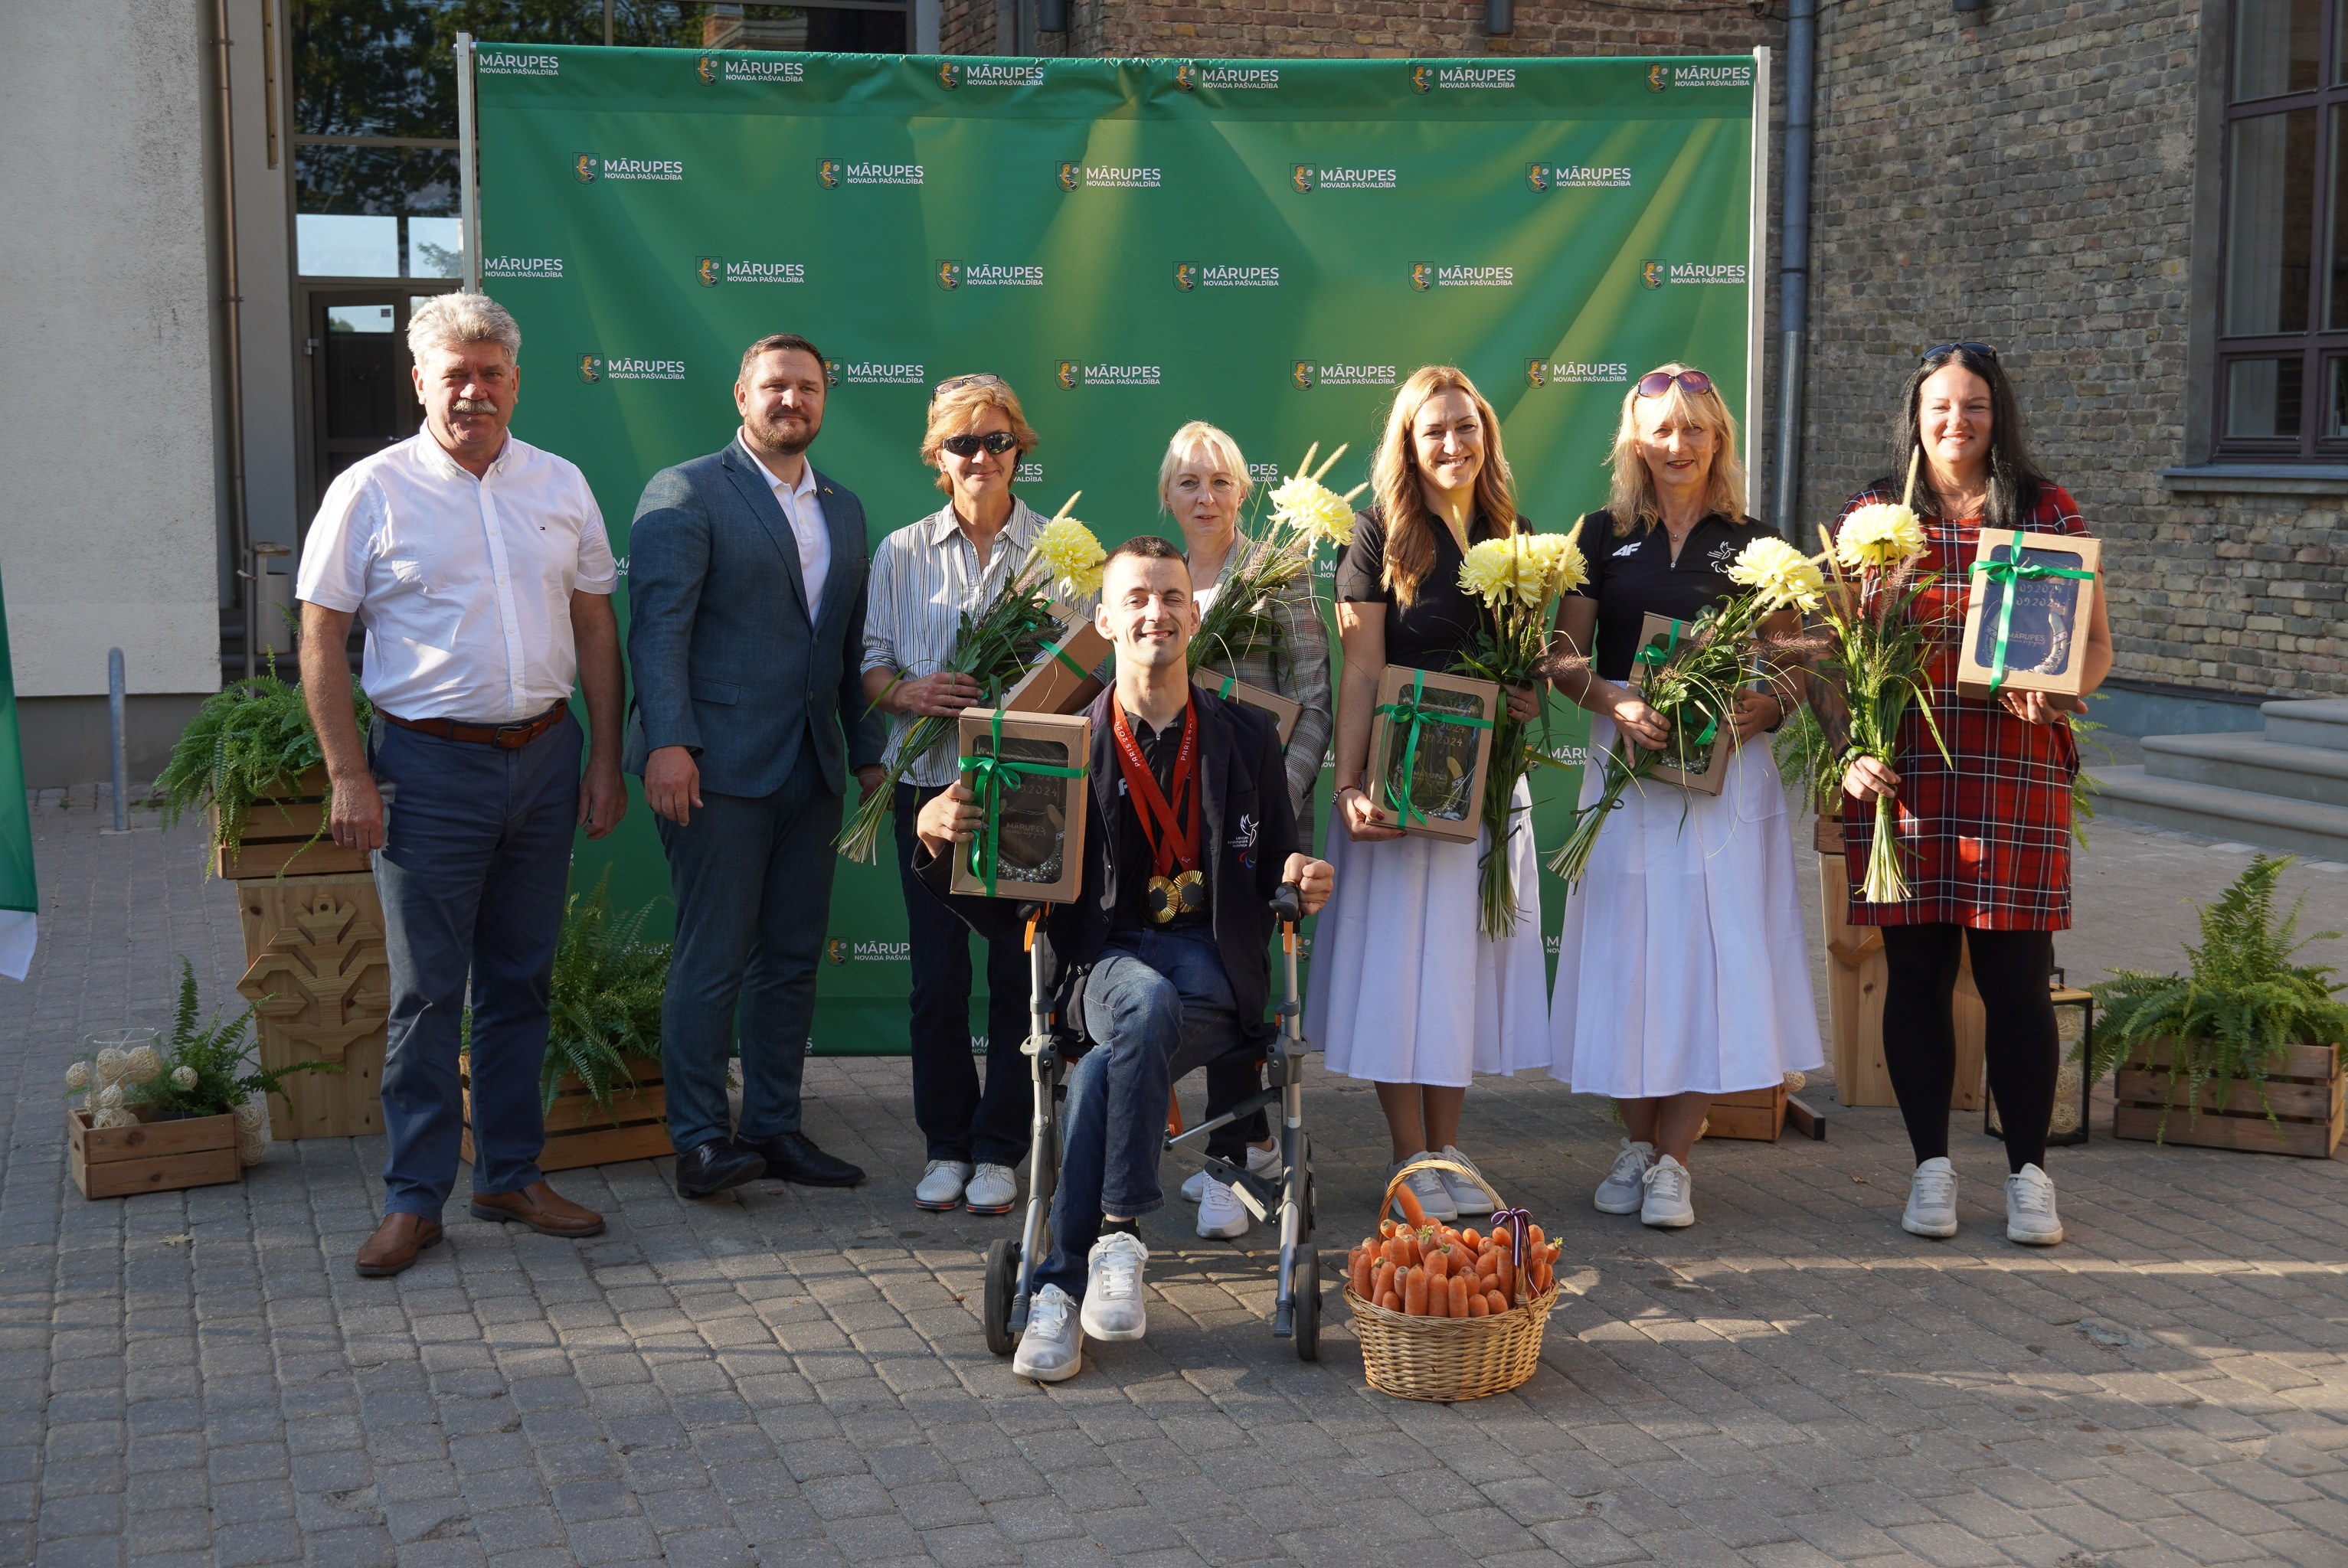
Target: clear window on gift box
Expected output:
[2046,621]
[1442,767]
[1031,842]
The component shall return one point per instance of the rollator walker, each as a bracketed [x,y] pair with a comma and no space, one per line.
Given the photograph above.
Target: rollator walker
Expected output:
[1011,1265]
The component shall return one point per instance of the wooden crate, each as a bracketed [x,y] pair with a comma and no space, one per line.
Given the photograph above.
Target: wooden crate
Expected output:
[1759,1113]
[2305,1095]
[316,970]
[1856,974]
[282,838]
[578,1133]
[153,1157]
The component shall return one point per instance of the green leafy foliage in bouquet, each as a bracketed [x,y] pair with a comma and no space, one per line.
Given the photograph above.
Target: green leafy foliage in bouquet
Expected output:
[1267,557]
[213,1067]
[245,744]
[2228,1019]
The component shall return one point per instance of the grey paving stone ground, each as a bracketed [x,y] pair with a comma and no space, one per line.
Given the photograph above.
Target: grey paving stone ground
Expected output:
[799,1377]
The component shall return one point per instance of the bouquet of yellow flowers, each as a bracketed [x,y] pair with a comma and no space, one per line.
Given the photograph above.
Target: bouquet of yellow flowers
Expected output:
[994,647]
[1693,681]
[1519,578]
[1305,514]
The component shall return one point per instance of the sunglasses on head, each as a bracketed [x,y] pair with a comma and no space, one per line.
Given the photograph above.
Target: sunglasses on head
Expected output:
[982,379]
[996,441]
[1979,348]
[1655,382]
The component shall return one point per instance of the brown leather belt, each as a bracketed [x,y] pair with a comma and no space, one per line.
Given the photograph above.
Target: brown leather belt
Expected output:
[510,737]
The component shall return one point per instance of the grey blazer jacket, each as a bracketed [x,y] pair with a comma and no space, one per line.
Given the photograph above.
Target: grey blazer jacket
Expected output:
[728,657]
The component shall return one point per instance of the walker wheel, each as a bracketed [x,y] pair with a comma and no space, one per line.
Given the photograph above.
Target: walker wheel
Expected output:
[1002,1284]
[1304,1296]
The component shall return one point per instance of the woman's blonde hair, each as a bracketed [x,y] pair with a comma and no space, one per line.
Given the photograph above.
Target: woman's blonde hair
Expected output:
[1631,498]
[1394,480]
[1221,447]
[956,410]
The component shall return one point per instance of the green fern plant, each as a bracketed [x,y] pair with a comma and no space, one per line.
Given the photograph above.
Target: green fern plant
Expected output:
[244,745]
[2230,1017]
[217,1060]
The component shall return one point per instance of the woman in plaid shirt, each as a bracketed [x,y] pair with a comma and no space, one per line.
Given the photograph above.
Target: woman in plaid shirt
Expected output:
[1203,482]
[1986,834]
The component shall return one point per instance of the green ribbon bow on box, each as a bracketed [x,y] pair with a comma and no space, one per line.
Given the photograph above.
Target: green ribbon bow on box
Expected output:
[1658,653]
[1409,712]
[2011,573]
[990,776]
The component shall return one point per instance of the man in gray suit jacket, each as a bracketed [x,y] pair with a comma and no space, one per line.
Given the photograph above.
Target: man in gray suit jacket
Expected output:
[745,600]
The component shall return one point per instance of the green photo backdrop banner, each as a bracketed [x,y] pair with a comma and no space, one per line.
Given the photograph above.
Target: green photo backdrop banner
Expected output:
[1131,244]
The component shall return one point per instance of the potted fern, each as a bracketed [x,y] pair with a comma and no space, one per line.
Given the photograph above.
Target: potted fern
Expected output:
[602,1080]
[251,763]
[2246,1042]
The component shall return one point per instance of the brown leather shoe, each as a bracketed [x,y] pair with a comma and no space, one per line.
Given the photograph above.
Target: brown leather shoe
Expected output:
[541,1208]
[394,1244]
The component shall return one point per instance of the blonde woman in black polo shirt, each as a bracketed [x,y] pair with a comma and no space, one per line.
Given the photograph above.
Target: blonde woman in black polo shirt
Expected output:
[1682,972]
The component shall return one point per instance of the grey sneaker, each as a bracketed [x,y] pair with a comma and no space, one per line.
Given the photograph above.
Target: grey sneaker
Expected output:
[1052,1348]
[993,1190]
[1468,1197]
[1670,1200]
[941,1185]
[1932,1200]
[2030,1216]
[1427,1186]
[1113,1305]
[1625,1186]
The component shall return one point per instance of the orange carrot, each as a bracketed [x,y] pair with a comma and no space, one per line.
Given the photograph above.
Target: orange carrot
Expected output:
[1534,1239]
[1438,1264]
[1382,1281]
[1438,1298]
[1496,1303]
[1411,1253]
[1504,1273]
[1475,1243]
[1390,1301]
[1362,1275]
[1411,1211]
[1459,1296]
[1414,1293]
[1477,1306]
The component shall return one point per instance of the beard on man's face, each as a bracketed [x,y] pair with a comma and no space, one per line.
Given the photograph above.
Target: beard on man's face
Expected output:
[790,435]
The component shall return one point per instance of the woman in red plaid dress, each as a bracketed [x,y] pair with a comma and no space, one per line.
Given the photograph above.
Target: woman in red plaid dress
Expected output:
[1985,834]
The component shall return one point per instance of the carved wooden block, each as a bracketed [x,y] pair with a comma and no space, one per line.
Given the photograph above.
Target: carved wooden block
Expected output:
[318,974]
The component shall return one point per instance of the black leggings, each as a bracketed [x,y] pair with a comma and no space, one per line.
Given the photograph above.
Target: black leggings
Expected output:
[1919,1040]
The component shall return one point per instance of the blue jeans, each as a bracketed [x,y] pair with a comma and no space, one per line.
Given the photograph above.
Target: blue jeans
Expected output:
[1157,1005]
[960,1121]
[475,864]
[752,877]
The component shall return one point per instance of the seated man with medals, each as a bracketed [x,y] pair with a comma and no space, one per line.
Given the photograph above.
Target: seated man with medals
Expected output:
[1160,964]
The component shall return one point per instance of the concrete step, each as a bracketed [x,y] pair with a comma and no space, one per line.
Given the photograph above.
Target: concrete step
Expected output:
[2252,762]
[2274,822]
[2305,722]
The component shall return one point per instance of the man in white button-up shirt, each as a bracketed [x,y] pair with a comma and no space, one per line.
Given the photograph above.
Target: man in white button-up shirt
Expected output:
[481,568]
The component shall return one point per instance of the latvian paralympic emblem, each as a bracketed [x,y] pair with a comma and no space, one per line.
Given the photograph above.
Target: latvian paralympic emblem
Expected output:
[1302,179]
[827,173]
[949,74]
[1301,374]
[1534,375]
[1654,274]
[1067,373]
[1185,275]
[1422,276]
[711,271]
[1658,77]
[950,274]
[1072,175]
[1422,78]
[590,367]
[706,68]
[1186,76]
[584,167]
[1537,176]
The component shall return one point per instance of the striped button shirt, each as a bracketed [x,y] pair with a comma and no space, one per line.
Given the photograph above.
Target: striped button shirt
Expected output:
[925,577]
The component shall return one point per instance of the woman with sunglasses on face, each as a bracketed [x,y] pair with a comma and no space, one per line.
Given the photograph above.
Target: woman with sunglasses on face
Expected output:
[1985,833]
[1681,973]
[926,576]
[1203,482]
[1407,991]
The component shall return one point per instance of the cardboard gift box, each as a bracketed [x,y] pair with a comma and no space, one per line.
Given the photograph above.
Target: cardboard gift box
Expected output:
[2035,593]
[1037,848]
[1443,794]
[1230,689]
[1062,680]
[1704,769]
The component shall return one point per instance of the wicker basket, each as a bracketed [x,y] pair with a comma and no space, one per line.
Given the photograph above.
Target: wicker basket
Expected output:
[1447,1359]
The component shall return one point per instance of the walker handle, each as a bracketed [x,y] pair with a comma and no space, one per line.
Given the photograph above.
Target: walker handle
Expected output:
[1288,903]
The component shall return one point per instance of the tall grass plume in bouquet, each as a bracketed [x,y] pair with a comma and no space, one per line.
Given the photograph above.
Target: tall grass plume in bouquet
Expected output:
[1305,514]
[1693,681]
[1520,580]
[994,647]
[1880,654]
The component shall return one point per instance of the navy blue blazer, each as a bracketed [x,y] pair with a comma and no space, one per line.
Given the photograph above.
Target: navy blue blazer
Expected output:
[728,657]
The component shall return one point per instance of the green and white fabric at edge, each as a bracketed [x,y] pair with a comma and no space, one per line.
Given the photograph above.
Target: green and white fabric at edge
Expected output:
[18,920]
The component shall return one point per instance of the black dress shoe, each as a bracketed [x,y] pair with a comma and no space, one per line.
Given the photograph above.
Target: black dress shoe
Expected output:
[719,1165]
[793,1157]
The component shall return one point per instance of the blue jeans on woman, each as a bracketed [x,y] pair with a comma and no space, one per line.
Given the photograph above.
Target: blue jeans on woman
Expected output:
[1157,1007]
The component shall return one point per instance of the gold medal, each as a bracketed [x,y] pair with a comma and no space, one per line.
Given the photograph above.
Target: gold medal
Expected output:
[1185,894]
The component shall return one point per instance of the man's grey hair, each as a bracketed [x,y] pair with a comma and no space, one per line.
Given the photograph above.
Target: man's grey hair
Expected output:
[451,321]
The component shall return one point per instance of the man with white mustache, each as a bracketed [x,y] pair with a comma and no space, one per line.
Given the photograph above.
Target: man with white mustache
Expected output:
[480,567]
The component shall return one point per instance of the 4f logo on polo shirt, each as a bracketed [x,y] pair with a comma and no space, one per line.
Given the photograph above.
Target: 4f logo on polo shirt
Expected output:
[1627,550]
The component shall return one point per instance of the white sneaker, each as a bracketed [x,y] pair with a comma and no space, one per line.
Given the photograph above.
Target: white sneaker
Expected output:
[941,1185]
[2030,1216]
[1625,1186]
[1262,1162]
[1052,1348]
[1427,1186]
[992,1191]
[1932,1200]
[1113,1305]
[1468,1197]
[1222,1215]
[1669,1192]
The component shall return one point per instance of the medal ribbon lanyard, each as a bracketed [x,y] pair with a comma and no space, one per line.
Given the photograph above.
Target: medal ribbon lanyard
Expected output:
[1172,840]
[2012,573]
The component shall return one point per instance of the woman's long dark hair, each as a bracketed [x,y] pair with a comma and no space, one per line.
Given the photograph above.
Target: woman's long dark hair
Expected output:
[2014,480]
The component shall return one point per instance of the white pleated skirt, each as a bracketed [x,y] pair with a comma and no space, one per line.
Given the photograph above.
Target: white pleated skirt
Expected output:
[1682,966]
[1404,988]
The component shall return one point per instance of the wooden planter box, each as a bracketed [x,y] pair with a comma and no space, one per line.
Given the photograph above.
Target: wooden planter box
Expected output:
[153,1157]
[578,1133]
[1855,976]
[278,834]
[1756,1113]
[318,976]
[2304,1094]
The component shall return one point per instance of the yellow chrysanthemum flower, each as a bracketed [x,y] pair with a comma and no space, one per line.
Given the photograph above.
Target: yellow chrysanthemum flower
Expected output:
[1560,561]
[1784,575]
[1069,552]
[1878,536]
[1304,502]
[1500,570]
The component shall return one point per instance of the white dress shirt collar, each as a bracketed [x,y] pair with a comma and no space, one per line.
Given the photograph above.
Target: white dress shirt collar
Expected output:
[804,512]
